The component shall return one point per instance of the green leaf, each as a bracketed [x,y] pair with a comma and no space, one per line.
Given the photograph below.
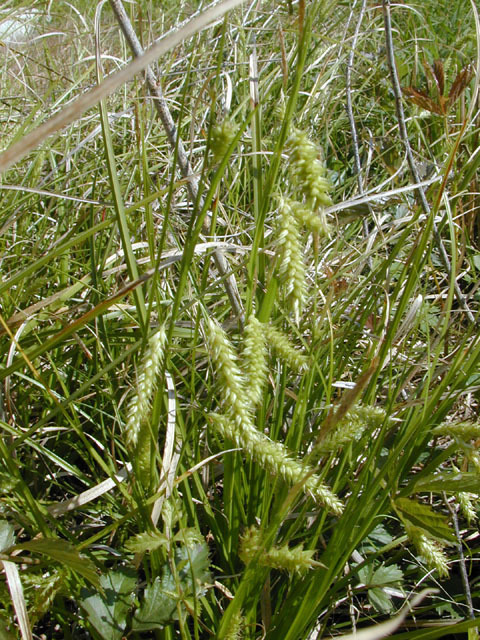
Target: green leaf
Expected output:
[5,633]
[380,534]
[380,577]
[390,575]
[380,600]
[473,634]
[107,612]
[193,564]
[163,600]
[476,261]
[188,537]
[7,535]
[446,610]
[423,516]
[159,605]
[448,482]
[448,630]
[64,553]
[147,541]
[365,575]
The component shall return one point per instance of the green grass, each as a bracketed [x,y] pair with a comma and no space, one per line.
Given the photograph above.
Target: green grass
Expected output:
[149,495]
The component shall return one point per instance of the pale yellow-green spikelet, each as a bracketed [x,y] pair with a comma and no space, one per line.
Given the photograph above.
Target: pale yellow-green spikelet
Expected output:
[139,405]
[232,385]
[255,360]
[291,269]
[275,459]
[463,430]
[315,221]
[284,349]
[221,138]
[237,424]
[236,627]
[473,457]
[351,428]
[137,431]
[430,550]
[467,502]
[293,560]
[307,170]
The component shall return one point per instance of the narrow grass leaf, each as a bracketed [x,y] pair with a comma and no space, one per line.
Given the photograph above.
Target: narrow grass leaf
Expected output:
[16,592]
[65,553]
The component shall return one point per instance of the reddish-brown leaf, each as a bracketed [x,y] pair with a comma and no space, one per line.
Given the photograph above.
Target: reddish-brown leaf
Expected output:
[460,83]
[439,76]
[443,104]
[422,100]
[429,74]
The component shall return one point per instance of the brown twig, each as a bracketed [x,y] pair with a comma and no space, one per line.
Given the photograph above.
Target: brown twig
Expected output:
[411,163]
[176,144]
[90,98]
[351,117]
[461,558]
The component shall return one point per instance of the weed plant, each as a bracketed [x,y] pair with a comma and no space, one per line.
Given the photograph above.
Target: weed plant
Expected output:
[240,354]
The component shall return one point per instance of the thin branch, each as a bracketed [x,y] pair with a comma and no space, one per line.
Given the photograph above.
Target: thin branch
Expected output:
[90,98]
[176,144]
[348,81]
[411,163]
[461,558]
[351,117]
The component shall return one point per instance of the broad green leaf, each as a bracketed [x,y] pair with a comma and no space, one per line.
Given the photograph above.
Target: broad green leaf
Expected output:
[387,576]
[380,534]
[64,553]
[147,541]
[423,516]
[380,577]
[188,537]
[193,564]
[365,575]
[163,599]
[7,535]
[380,600]
[159,606]
[448,482]
[107,612]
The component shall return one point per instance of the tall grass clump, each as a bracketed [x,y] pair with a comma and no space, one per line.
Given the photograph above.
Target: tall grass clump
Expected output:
[239,320]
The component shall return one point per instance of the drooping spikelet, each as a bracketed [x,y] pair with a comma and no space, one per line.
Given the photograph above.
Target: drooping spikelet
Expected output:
[282,346]
[139,435]
[468,502]
[473,457]
[236,627]
[430,550]
[147,373]
[461,430]
[351,427]
[221,138]
[237,424]
[291,269]
[307,170]
[293,560]
[315,221]
[275,459]
[254,357]
[232,385]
